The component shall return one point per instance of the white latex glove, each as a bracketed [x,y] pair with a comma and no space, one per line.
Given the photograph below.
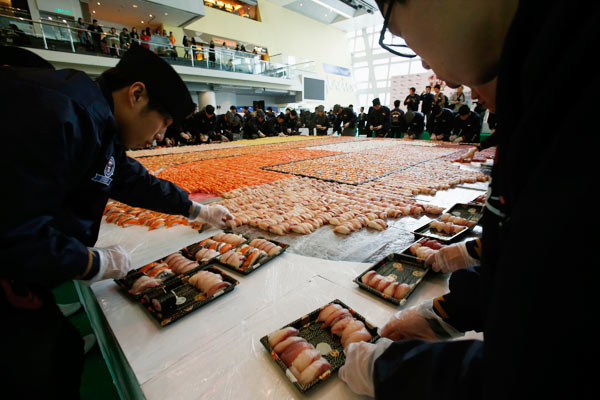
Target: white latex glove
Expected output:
[357,372]
[418,322]
[451,258]
[215,215]
[115,263]
[469,154]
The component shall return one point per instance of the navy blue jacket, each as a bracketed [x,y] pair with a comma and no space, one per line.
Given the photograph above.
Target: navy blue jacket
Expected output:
[62,162]
[537,303]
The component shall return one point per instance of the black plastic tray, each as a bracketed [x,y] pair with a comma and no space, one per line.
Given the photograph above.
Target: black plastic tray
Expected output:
[260,262]
[467,211]
[406,252]
[194,298]
[406,269]
[311,330]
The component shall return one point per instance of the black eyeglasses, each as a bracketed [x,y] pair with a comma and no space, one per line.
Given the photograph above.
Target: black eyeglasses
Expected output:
[408,53]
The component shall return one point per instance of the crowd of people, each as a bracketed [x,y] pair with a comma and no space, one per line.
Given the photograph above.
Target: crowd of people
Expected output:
[445,119]
[93,38]
[205,126]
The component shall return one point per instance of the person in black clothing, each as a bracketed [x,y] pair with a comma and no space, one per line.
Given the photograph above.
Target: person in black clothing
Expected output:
[96,33]
[71,161]
[206,126]
[270,114]
[346,121]
[441,124]
[362,122]
[415,124]
[378,119]
[255,125]
[427,99]
[230,123]
[397,125]
[412,100]
[211,55]
[516,43]
[275,126]
[292,123]
[321,121]
[467,126]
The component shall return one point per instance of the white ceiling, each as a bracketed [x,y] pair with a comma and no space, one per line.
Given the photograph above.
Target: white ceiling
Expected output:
[124,12]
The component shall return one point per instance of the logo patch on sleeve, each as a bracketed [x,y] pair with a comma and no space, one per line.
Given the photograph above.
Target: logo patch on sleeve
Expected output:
[109,170]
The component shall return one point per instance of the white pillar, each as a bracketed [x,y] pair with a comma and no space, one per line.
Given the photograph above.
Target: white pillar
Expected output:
[206,98]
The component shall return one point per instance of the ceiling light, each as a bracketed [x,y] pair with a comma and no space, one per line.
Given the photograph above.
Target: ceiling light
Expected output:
[98,3]
[134,6]
[50,18]
[142,22]
[94,11]
[319,2]
[166,13]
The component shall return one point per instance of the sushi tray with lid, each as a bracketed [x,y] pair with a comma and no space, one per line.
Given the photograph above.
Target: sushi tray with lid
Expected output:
[311,348]
[422,248]
[393,278]
[454,223]
[250,255]
[170,268]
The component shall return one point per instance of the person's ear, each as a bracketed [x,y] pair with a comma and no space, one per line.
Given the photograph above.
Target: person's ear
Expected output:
[137,94]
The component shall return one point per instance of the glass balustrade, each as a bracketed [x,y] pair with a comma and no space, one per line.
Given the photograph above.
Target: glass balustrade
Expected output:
[61,36]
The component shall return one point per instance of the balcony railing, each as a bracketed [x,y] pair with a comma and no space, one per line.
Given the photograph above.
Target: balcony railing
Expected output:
[60,36]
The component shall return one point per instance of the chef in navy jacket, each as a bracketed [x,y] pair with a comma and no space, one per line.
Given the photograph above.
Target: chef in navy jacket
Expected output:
[65,137]
[532,299]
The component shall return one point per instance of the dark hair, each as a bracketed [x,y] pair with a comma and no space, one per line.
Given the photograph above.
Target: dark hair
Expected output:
[437,86]
[209,109]
[396,103]
[427,87]
[464,110]
[413,89]
[116,79]
[435,110]
[233,108]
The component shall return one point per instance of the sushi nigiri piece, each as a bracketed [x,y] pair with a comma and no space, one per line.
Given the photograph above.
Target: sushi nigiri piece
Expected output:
[292,351]
[401,291]
[281,346]
[335,316]
[305,358]
[338,327]
[384,283]
[367,277]
[391,289]
[275,337]
[216,288]
[375,280]
[327,310]
[377,224]
[188,267]
[343,229]
[144,283]
[357,336]
[313,371]
[352,327]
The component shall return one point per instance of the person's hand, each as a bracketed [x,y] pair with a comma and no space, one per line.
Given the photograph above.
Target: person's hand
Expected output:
[346,124]
[450,258]
[115,263]
[260,134]
[469,155]
[379,127]
[416,323]
[371,128]
[408,324]
[357,371]
[215,215]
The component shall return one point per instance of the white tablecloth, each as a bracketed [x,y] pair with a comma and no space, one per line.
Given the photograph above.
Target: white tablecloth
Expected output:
[215,353]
